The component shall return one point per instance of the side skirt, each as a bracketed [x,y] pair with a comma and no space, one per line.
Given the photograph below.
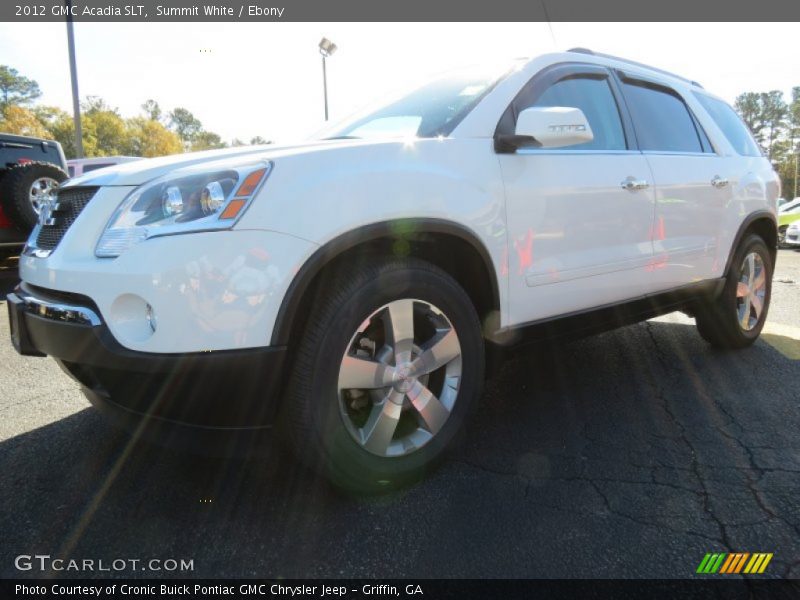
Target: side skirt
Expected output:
[581,324]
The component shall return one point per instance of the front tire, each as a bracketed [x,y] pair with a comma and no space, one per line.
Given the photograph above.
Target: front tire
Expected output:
[389,367]
[735,319]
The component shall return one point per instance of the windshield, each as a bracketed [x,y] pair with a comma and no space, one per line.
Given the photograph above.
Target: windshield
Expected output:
[429,111]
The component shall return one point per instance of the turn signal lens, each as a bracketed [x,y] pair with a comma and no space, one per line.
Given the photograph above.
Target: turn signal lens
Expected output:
[250,183]
[233,208]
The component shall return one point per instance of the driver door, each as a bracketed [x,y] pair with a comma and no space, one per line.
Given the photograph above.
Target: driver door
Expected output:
[577,238]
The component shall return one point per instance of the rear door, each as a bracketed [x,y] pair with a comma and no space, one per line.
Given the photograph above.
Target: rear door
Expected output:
[692,183]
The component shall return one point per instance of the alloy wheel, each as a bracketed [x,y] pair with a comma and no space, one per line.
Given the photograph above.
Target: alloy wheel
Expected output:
[751,290]
[399,377]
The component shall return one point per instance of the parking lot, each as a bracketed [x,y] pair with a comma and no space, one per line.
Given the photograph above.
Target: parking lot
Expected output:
[630,454]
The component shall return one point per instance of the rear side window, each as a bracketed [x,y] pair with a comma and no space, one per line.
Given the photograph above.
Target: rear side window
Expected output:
[662,121]
[731,125]
[595,98]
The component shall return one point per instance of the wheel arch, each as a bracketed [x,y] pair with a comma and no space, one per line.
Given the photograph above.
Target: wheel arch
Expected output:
[761,222]
[449,245]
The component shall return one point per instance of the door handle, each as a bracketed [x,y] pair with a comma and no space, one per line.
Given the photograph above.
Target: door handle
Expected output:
[630,184]
[719,182]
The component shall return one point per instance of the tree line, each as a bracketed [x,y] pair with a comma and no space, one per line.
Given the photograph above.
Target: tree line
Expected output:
[775,123]
[105,132]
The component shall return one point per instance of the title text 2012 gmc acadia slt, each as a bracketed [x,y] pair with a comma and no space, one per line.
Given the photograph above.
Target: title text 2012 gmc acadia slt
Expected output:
[351,288]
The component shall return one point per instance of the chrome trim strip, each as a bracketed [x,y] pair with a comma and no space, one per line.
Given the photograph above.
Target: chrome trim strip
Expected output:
[555,151]
[57,311]
[672,153]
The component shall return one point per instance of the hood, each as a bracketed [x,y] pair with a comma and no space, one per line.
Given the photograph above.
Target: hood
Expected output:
[142,171]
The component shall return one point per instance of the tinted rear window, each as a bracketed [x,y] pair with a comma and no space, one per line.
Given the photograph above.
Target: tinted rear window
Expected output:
[662,120]
[731,125]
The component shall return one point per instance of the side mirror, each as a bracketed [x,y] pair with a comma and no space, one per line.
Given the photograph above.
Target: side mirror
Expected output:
[552,127]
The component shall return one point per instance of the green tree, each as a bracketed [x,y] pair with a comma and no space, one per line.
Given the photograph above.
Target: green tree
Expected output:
[185,124]
[107,124]
[22,121]
[62,128]
[16,89]
[748,105]
[791,174]
[775,111]
[95,104]
[152,110]
[765,113]
[148,137]
[258,140]
[206,140]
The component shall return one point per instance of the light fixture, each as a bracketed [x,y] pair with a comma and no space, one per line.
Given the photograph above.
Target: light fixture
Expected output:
[327,47]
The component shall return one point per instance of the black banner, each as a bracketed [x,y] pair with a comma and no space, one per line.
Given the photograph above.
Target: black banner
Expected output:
[425,589]
[408,10]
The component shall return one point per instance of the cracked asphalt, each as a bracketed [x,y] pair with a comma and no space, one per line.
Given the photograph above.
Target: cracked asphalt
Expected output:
[629,454]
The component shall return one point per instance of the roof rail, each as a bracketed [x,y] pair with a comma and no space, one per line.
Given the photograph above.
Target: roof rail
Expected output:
[634,63]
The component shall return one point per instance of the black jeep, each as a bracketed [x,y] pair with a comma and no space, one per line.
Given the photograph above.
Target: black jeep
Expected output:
[30,171]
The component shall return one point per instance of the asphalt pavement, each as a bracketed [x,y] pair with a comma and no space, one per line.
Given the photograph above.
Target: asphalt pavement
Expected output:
[629,454]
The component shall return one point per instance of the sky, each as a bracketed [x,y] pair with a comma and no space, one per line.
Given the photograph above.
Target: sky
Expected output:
[248,79]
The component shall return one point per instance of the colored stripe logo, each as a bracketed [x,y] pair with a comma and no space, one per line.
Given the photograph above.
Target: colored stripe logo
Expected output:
[734,563]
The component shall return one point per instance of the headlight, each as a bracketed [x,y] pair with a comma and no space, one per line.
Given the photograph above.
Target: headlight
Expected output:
[187,201]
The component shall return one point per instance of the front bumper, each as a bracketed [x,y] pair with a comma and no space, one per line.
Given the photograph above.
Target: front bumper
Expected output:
[221,389]
[792,238]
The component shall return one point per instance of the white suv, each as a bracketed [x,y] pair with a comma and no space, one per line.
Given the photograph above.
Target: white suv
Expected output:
[353,287]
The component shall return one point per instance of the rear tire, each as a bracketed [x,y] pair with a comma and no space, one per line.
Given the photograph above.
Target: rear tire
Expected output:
[735,319]
[25,188]
[365,410]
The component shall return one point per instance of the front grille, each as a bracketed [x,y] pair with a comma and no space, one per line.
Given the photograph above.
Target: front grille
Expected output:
[66,207]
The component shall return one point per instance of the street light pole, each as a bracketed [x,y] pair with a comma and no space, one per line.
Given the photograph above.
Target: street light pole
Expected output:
[73,72]
[325,86]
[326,49]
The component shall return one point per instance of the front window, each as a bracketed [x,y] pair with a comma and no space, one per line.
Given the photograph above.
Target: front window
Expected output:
[433,110]
[594,97]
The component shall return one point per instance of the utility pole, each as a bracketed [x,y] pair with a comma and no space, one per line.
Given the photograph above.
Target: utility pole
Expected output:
[73,72]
